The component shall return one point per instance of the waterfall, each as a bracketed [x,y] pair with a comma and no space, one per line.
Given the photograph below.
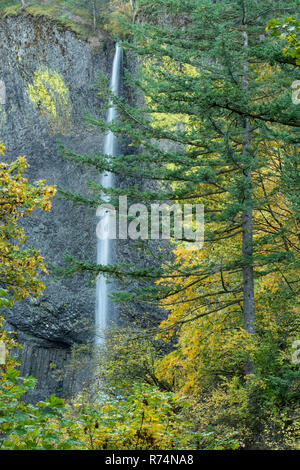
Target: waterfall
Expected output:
[107,181]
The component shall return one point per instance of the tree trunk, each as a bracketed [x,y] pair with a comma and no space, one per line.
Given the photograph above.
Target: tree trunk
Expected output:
[247,219]
[248,272]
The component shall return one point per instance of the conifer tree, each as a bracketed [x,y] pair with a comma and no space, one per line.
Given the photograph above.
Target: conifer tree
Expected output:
[211,67]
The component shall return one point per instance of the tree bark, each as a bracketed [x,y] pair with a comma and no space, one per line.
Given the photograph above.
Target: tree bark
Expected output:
[247,218]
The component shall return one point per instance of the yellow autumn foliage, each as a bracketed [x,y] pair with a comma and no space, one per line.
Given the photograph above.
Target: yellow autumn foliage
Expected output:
[20,267]
[50,94]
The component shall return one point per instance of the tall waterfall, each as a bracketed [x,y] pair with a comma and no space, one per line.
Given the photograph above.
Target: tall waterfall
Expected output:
[107,181]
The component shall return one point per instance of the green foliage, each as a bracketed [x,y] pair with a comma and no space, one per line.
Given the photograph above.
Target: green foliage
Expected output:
[24,426]
[199,82]
[139,417]
[218,125]
[218,97]
[249,411]
[4,299]
[85,17]
[127,357]
[288,31]
[146,418]
[8,3]
[20,268]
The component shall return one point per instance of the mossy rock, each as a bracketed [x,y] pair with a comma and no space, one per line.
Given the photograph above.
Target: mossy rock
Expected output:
[78,20]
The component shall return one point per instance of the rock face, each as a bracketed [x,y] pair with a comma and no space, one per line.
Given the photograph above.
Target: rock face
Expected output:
[49,76]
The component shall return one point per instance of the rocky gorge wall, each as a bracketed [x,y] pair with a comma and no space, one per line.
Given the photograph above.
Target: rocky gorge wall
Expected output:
[49,74]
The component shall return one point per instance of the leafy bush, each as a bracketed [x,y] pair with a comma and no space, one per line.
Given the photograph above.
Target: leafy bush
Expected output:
[24,426]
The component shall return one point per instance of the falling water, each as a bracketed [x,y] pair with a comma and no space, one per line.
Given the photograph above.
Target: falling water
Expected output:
[107,181]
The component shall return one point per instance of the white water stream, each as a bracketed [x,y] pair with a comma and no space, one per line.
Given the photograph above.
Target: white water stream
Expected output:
[107,181]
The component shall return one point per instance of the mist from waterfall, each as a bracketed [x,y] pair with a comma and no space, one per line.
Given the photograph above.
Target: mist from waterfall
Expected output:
[107,181]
